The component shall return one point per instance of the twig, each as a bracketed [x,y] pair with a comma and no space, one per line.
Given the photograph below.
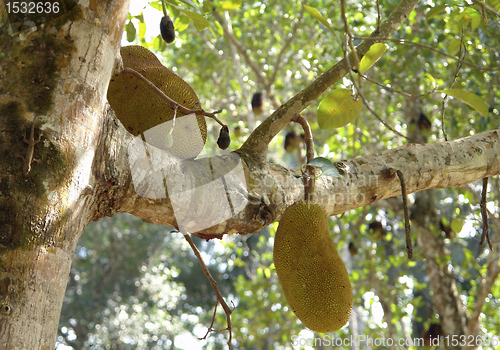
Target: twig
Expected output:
[367,105]
[459,66]
[241,49]
[409,248]
[349,39]
[444,54]
[485,7]
[164,8]
[484,216]
[174,104]
[308,139]
[213,282]
[279,58]
[378,14]
[406,94]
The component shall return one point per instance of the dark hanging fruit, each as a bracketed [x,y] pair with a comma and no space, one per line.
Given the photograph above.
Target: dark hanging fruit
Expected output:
[167,29]
[258,103]
[224,140]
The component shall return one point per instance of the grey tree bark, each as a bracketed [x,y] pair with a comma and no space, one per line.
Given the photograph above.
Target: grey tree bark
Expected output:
[57,73]
[54,80]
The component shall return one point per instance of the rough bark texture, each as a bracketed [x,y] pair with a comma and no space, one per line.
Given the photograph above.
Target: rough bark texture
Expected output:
[58,74]
[270,188]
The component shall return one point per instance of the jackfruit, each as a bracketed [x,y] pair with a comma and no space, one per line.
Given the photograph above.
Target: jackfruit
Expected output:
[140,109]
[314,278]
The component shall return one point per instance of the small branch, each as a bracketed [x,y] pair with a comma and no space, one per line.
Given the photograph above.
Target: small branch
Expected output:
[406,94]
[308,139]
[279,58]
[378,14]
[444,54]
[241,49]
[167,99]
[485,7]
[459,66]
[370,109]
[484,215]
[213,282]
[409,248]
[164,8]
[349,39]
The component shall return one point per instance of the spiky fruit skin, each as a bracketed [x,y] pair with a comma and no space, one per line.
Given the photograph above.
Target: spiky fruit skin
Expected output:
[140,109]
[313,277]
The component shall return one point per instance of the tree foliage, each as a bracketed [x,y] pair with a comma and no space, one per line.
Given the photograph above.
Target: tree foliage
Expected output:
[135,285]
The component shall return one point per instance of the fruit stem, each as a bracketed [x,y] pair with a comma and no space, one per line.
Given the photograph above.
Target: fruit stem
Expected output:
[308,139]
[164,8]
[127,70]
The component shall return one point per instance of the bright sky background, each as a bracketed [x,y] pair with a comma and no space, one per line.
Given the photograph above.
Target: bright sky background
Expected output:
[152,18]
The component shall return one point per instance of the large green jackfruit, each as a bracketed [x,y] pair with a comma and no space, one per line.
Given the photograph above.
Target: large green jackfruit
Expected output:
[314,278]
[140,109]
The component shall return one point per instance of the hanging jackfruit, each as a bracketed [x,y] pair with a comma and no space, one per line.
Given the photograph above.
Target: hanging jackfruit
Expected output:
[313,276]
[140,109]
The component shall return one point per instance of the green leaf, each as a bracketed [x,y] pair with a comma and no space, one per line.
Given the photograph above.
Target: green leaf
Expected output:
[199,21]
[187,2]
[142,30]
[471,99]
[454,46]
[431,79]
[130,29]
[434,11]
[327,167]
[338,109]
[181,23]
[457,225]
[231,5]
[472,16]
[140,17]
[373,55]
[315,13]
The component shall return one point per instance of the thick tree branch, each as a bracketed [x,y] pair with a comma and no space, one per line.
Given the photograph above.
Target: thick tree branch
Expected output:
[257,142]
[269,189]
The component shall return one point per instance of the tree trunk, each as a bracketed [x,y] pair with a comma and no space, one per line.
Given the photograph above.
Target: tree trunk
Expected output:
[59,75]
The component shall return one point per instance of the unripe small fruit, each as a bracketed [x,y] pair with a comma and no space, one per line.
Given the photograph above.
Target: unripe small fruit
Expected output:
[167,29]
[224,140]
